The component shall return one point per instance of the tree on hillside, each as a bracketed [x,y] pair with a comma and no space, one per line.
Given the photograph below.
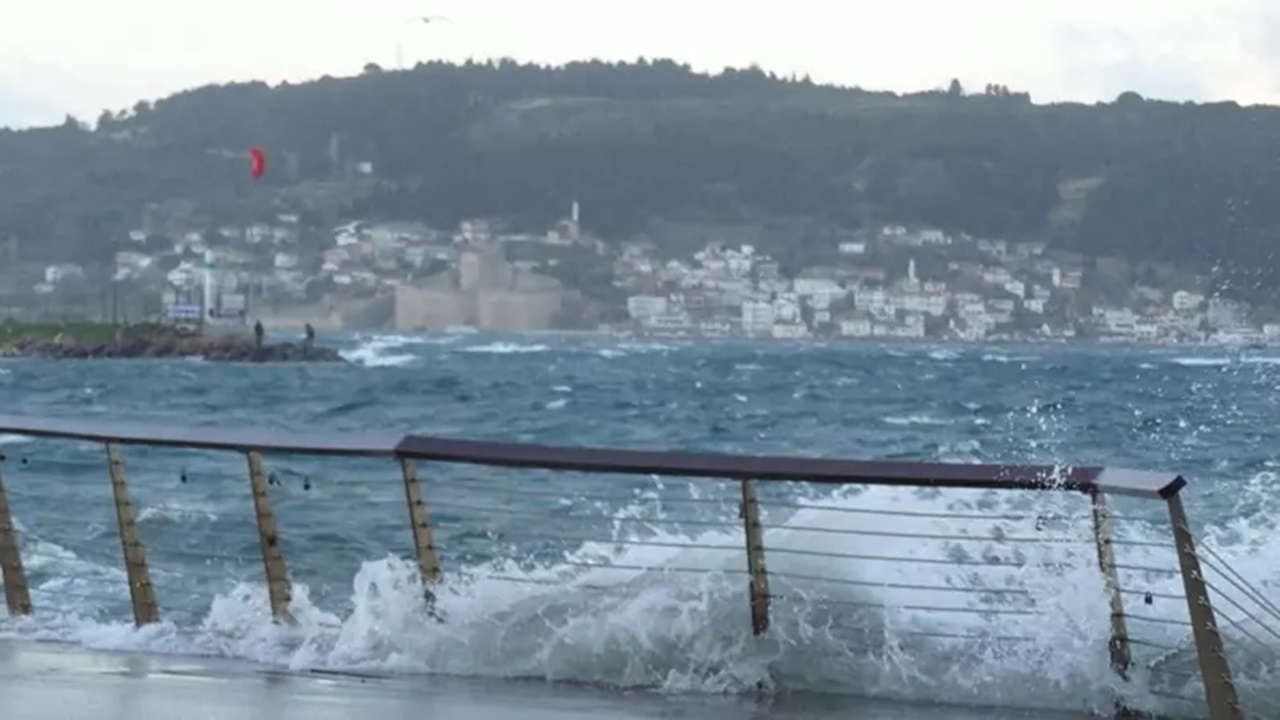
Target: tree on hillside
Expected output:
[655,141]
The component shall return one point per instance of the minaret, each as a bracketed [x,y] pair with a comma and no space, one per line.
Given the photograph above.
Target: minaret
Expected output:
[206,311]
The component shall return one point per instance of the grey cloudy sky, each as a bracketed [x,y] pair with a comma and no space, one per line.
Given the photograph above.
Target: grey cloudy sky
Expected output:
[80,56]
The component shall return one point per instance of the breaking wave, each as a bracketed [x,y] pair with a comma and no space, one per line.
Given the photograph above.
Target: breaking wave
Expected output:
[383,351]
[673,618]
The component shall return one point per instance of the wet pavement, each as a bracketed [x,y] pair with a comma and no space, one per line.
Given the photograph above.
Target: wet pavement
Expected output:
[55,682]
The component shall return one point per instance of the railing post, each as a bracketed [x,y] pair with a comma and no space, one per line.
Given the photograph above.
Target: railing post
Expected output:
[1104,539]
[17,595]
[279,591]
[423,543]
[1215,671]
[141,593]
[759,584]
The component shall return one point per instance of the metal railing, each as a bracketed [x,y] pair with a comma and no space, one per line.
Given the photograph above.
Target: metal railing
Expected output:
[735,513]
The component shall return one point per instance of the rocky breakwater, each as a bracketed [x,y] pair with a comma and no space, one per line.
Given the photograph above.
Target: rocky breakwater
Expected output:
[150,343]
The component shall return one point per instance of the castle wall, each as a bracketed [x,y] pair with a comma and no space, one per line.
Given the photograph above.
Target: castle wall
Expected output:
[419,308]
[486,292]
[516,310]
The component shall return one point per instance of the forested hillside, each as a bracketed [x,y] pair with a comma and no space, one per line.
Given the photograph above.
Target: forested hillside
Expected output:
[653,140]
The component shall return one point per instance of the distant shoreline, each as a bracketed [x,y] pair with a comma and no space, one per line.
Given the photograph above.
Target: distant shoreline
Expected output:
[83,340]
[1084,342]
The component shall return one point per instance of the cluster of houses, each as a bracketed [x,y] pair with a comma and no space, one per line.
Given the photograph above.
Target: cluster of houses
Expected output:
[978,289]
[231,274]
[893,282]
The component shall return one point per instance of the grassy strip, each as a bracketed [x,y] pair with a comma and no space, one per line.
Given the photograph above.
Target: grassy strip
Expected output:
[83,333]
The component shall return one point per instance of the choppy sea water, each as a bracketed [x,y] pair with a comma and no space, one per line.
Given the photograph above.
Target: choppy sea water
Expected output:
[636,582]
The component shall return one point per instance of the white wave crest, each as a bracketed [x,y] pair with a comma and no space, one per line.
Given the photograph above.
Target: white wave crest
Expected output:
[672,615]
[177,512]
[379,351]
[504,348]
[917,420]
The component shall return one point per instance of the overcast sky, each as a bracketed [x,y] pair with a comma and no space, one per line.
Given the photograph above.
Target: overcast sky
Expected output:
[81,56]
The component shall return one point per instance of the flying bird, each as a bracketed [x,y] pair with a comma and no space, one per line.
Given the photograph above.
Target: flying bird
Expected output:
[428,19]
[417,20]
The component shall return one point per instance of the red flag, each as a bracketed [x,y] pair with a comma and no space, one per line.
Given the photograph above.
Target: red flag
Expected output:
[257,163]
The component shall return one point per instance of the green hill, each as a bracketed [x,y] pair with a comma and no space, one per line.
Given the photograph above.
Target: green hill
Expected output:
[1186,183]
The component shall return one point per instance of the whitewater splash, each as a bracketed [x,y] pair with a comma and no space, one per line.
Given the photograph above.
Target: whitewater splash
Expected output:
[655,607]
[381,350]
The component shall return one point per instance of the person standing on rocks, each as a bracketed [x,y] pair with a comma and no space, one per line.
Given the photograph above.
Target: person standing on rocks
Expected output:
[258,332]
[310,339]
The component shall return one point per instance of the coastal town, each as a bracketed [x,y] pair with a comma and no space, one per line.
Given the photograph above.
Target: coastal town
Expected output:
[976,290]
[892,281]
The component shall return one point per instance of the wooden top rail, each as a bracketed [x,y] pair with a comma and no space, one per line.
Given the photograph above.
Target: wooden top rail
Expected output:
[1118,481]
[196,437]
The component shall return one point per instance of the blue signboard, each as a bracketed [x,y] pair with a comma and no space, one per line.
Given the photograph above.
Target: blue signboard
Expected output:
[183,311]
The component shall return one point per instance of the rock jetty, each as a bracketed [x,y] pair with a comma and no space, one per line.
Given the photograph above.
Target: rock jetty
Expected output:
[151,342]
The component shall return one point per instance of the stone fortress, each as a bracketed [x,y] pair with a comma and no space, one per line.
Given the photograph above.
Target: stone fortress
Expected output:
[484,291]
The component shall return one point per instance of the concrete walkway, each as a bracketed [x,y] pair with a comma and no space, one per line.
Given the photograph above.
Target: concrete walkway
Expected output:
[52,682]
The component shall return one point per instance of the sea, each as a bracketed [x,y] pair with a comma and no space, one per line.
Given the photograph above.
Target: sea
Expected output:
[567,595]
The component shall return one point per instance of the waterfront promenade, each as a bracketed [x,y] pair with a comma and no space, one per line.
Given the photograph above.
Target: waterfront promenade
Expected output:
[53,682]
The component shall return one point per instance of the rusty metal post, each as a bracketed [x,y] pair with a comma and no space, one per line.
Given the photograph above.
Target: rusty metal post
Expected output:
[423,543]
[1104,539]
[1215,671]
[279,591]
[759,583]
[17,595]
[141,592]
